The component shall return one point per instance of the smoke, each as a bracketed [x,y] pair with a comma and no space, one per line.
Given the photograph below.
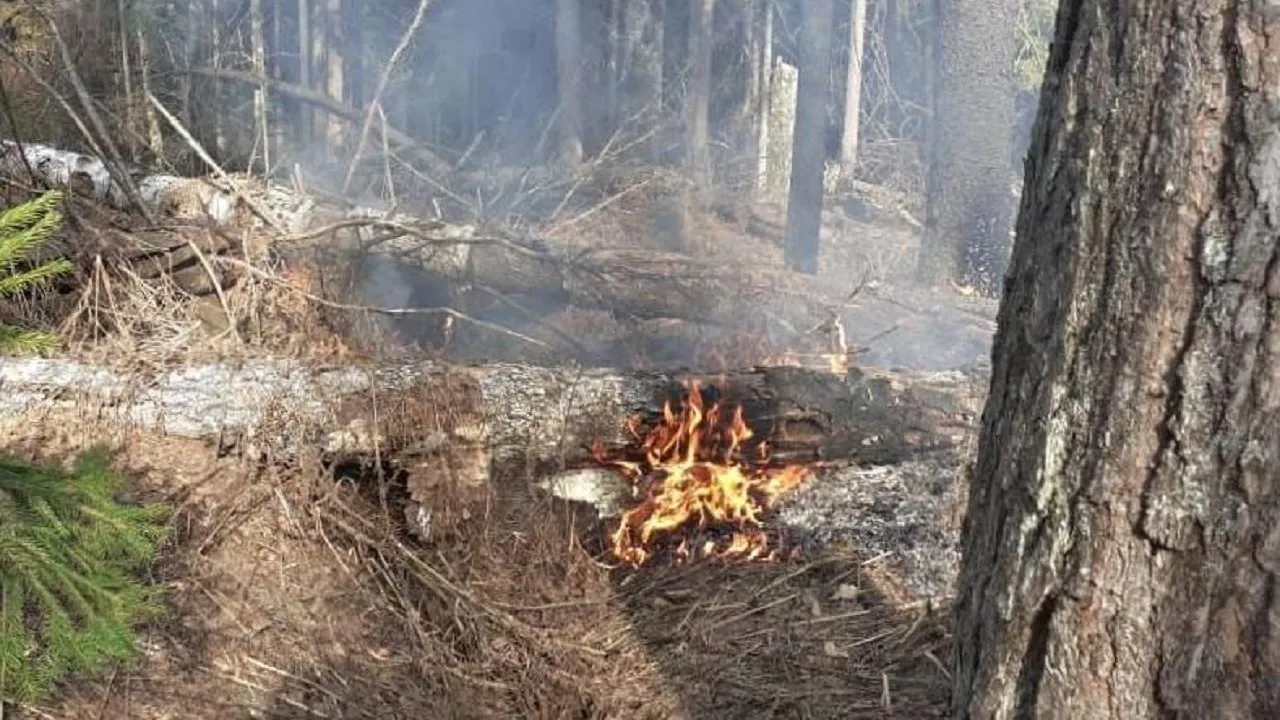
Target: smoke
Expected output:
[479,94]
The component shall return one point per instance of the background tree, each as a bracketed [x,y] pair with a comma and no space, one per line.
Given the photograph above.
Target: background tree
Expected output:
[853,89]
[569,64]
[968,186]
[701,45]
[809,156]
[1120,549]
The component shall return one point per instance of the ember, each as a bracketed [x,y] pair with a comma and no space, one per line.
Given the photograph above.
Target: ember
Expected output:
[700,495]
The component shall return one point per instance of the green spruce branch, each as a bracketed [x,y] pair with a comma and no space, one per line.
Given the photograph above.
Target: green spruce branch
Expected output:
[24,229]
[69,551]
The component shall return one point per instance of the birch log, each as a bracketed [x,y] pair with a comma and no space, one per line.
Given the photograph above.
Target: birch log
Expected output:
[640,283]
[513,412]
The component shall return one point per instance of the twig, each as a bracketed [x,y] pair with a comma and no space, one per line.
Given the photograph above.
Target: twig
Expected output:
[199,150]
[329,105]
[217,288]
[376,102]
[116,165]
[381,310]
[17,135]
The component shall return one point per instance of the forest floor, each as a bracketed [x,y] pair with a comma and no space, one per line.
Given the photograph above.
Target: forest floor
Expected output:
[293,594]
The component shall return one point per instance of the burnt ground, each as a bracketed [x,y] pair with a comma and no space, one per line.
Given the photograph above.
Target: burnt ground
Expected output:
[294,593]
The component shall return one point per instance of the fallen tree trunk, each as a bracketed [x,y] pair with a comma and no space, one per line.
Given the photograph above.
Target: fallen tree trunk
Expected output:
[513,412]
[452,429]
[643,284]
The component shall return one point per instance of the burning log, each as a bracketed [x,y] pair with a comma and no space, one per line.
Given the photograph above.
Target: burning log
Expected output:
[643,284]
[453,429]
[511,413]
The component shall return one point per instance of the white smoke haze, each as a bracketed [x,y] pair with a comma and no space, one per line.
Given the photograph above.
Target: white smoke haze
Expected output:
[472,126]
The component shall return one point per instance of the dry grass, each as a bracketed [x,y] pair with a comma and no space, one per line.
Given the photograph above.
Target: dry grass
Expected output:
[294,594]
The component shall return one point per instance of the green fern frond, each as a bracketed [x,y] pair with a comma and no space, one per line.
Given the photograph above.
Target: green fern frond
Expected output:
[68,552]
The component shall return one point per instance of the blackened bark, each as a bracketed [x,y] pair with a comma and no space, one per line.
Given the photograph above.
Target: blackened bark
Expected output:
[1122,546]
[809,151]
[970,203]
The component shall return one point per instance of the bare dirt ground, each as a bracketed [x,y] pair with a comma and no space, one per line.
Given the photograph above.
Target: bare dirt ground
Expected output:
[293,594]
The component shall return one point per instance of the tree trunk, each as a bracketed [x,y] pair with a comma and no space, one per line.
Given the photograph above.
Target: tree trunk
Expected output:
[1121,547]
[155,139]
[853,90]
[640,67]
[764,96]
[701,44]
[215,60]
[306,114]
[809,156]
[262,125]
[335,71]
[516,412]
[569,71]
[969,197]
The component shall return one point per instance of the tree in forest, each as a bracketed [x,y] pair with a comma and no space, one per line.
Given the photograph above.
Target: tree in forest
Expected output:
[969,201]
[24,228]
[569,72]
[701,45]
[853,90]
[1122,542]
[809,149]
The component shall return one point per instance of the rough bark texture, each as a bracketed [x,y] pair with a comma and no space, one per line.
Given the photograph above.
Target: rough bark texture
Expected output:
[1122,545]
[804,201]
[970,204]
[780,127]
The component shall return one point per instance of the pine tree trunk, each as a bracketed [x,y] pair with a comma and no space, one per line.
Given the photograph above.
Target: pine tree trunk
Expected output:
[569,68]
[970,203]
[306,114]
[808,161]
[335,72]
[764,96]
[701,41]
[262,126]
[1122,545]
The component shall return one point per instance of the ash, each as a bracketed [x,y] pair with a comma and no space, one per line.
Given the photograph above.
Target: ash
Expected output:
[907,512]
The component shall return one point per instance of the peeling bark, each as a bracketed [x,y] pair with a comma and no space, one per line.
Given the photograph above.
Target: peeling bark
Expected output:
[1122,545]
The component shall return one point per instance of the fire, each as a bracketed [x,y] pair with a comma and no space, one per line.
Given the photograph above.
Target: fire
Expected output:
[700,493]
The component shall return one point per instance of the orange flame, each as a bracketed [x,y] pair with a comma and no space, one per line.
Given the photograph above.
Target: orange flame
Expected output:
[694,476]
